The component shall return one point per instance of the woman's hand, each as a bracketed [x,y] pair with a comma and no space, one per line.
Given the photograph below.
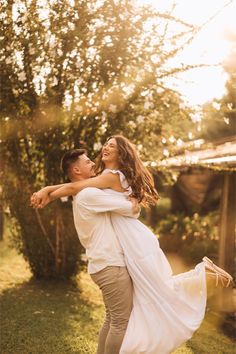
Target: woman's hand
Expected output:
[40,199]
[136,207]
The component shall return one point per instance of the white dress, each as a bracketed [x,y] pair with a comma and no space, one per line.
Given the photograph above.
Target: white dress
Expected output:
[167,308]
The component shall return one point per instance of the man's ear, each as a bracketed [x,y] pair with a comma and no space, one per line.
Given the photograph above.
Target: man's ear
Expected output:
[76,170]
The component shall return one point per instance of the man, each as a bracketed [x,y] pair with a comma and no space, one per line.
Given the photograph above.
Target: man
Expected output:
[91,211]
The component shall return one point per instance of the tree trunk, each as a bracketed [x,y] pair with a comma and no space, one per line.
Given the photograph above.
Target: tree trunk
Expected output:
[227,223]
[1,222]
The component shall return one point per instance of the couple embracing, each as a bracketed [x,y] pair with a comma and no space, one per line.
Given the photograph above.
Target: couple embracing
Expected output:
[148,310]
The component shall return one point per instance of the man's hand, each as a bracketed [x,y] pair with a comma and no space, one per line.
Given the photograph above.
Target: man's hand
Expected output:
[136,207]
[40,199]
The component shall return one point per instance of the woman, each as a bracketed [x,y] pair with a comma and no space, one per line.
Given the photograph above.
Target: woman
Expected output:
[167,309]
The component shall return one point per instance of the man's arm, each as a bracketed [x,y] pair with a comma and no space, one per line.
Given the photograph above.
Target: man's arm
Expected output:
[50,193]
[100,201]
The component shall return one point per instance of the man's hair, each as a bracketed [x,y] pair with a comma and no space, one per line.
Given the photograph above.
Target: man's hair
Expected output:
[69,158]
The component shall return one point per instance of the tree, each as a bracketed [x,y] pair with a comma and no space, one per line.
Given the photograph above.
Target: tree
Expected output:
[73,74]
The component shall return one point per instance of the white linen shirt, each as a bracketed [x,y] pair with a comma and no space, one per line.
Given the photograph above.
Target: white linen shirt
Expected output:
[92,218]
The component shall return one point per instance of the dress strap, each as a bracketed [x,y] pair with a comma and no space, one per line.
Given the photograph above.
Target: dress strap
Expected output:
[123,181]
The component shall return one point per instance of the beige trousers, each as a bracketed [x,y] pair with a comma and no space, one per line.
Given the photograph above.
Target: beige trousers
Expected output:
[117,291]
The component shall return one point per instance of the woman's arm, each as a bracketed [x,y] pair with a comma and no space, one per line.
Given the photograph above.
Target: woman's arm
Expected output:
[43,193]
[109,180]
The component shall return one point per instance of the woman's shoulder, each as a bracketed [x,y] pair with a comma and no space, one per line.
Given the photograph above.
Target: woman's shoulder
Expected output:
[108,170]
[123,181]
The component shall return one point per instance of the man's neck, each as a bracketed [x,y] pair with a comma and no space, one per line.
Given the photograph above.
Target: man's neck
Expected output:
[76,179]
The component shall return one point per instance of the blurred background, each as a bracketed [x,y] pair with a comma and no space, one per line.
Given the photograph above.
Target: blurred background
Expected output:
[162,73]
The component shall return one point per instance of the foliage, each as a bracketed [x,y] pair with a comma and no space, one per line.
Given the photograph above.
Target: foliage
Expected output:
[46,238]
[75,73]
[191,236]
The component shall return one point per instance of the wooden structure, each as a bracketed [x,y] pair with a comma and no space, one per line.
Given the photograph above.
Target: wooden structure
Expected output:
[198,168]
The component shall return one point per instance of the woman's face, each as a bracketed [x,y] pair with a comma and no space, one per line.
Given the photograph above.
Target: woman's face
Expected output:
[110,152]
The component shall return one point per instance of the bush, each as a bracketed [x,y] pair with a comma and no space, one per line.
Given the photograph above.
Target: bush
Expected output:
[190,236]
[46,238]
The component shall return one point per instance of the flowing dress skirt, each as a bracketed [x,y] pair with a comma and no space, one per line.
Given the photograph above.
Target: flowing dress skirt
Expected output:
[167,308]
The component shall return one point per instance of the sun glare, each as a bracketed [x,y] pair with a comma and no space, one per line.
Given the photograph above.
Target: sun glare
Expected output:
[211,46]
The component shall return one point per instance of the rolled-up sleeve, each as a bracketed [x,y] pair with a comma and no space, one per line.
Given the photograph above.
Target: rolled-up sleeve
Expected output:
[99,201]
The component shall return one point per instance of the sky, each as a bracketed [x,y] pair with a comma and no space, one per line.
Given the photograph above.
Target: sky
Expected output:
[211,46]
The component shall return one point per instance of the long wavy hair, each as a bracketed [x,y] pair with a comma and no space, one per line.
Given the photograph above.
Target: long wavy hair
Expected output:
[137,175]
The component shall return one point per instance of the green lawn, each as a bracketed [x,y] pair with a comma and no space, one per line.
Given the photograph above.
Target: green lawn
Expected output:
[51,318]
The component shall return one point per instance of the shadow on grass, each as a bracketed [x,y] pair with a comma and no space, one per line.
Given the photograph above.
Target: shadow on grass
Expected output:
[47,318]
[209,339]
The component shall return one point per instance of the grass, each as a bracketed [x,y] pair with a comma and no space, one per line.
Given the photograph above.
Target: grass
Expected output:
[59,318]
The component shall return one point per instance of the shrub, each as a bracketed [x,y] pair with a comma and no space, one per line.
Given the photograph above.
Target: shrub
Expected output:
[46,238]
[190,236]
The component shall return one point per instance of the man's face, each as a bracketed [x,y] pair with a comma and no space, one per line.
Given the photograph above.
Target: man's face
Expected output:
[85,167]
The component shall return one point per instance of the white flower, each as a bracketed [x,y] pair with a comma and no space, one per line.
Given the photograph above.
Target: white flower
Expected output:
[79,108]
[97,146]
[8,60]
[148,105]
[107,39]
[144,93]
[163,140]
[31,51]
[190,135]
[226,120]
[179,142]
[22,76]
[140,146]
[196,117]
[112,108]
[166,152]
[140,119]
[216,105]
[59,52]
[154,58]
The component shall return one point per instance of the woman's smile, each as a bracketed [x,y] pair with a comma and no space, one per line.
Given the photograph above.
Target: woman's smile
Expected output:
[110,153]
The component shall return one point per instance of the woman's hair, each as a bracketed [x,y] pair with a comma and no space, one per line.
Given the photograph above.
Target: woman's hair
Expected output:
[137,175]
